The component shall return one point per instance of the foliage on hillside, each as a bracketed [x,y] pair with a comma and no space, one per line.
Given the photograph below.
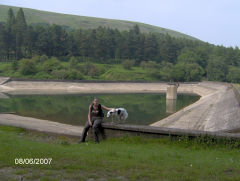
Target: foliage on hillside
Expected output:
[53,52]
[36,17]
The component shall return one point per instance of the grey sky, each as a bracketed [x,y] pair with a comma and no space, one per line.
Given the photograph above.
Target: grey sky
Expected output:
[213,21]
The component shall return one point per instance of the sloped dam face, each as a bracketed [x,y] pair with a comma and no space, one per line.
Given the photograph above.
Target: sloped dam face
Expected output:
[143,109]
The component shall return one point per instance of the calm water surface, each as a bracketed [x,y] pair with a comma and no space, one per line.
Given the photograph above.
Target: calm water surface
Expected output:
[143,109]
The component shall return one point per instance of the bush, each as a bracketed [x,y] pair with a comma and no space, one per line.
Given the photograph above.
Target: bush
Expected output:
[90,69]
[27,67]
[152,69]
[43,75]
[154,73]
[73,62]
[127,64]
[14,65]
[233,74]
[59,74]
[43,58]
[216,69]
[93,71]
[74,75]
[40,59]
[187,72]
[51,64]
[165,72]
[143,64]
[67,74]
[149,65]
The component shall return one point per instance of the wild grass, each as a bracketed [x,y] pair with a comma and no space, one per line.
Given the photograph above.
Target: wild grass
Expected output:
[125,158]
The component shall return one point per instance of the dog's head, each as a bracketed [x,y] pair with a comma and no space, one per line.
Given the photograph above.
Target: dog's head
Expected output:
[109,113]
[119,112]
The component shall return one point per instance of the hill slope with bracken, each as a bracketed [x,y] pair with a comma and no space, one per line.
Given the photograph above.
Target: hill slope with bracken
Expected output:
[75,22]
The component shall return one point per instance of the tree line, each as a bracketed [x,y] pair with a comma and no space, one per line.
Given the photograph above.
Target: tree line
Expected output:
[164,57]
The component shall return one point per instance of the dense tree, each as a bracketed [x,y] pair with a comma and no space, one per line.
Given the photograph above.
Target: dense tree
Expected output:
[216,69]
[57,41]
[10,36]
[3,42]
[20,29]
[233,74]
[161,55]
[188,56]
[187,72]
[42,41]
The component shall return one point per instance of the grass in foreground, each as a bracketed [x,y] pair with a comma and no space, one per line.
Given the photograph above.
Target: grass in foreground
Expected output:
[126,158]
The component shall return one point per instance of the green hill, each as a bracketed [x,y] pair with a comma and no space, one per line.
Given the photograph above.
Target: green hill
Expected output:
[72,21]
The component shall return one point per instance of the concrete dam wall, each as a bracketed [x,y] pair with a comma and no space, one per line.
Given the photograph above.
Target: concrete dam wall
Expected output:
[217,110]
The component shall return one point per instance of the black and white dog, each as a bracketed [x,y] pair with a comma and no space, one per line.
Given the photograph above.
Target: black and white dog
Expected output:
[120,113]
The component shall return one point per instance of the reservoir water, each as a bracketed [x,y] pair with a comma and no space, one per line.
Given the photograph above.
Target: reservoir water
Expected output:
[143,109]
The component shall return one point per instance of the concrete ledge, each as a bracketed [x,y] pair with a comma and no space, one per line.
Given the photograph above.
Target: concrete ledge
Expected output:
[4,80]
[116,130]
[40,125]
[89,81]
[111,130]
[235,130]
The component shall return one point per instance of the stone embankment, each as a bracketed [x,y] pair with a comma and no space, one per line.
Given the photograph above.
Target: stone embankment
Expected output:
[218,109]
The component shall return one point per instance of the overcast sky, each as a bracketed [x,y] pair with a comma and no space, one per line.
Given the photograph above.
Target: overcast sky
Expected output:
[213,21]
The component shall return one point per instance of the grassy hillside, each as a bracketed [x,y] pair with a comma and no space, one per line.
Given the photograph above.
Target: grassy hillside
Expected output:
[36,16]
[126,158]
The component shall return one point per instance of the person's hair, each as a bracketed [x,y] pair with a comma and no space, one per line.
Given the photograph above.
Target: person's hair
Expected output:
[94,99]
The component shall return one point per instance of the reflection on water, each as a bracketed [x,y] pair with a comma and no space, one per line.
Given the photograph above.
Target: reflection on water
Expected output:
[171,105]
[143,109]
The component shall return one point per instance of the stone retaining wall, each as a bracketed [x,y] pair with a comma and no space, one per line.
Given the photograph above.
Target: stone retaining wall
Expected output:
[117,130]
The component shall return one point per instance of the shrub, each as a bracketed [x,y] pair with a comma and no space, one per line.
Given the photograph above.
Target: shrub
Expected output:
[67,74]
[14,65]
[187,72]
[127,64]
[40,59]
[143,64]
[51,64]
[89,69]
[27,67]
[36,58]
[233,74]
[59,74]
[43,58]
[43,75]
[74,75]
[154,73]
[73,62]
[149,65]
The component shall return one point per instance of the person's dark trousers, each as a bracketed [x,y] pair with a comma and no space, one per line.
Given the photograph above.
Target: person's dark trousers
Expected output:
[96,126]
